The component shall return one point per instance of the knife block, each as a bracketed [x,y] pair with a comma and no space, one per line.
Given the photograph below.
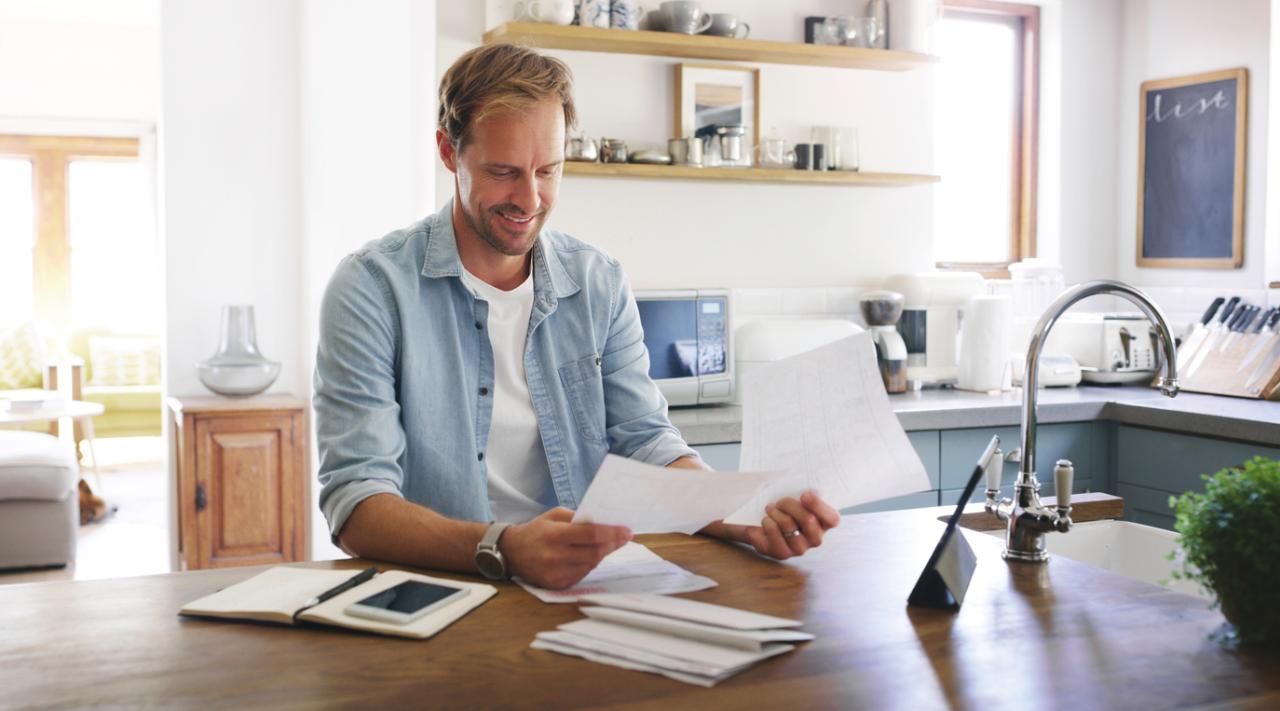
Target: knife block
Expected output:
[1219,374]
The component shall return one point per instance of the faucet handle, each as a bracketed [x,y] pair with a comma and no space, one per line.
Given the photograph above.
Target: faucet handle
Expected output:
[994,468]
[1064,474]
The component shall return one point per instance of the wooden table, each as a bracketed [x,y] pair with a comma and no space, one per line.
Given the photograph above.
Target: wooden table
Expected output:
[1063,636]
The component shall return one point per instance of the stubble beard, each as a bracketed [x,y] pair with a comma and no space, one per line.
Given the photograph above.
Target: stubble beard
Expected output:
[487,232]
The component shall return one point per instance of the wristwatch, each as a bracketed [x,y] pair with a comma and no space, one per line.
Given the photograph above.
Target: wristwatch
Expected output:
[488,558]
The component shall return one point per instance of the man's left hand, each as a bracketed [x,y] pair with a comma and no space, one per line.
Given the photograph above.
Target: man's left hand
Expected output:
[790,527]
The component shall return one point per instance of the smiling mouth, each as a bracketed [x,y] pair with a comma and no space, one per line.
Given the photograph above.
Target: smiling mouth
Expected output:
[517,223]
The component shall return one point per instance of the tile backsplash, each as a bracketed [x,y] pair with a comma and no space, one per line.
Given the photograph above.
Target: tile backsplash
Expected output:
[1181,305]
[798,302]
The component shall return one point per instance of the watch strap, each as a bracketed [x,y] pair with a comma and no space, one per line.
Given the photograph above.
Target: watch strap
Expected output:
[491,536]
[487,548]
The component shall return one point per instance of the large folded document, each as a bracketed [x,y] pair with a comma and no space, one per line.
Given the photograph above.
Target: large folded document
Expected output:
[824,418]
[660,635]
[630,569]
[281,594]
[652,499]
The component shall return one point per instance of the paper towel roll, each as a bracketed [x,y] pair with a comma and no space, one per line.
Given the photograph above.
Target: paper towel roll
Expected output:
[984,342]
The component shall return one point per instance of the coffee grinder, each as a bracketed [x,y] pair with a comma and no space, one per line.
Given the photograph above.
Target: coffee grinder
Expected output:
[881,310]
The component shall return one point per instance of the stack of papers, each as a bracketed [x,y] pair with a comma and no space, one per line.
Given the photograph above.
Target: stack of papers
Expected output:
[694,642]
[630,569]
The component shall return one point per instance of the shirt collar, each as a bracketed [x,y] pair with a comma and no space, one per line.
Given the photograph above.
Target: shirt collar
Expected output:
[442,260]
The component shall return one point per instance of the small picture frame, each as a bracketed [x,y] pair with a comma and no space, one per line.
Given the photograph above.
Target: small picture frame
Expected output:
[708,94]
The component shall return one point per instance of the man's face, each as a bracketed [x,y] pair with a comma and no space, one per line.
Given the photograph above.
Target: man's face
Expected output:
[508,174]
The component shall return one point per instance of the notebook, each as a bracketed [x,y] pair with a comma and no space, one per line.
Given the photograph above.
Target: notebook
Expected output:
[280,595]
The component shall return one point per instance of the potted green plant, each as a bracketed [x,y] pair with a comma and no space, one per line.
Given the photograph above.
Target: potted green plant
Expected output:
[1231,546]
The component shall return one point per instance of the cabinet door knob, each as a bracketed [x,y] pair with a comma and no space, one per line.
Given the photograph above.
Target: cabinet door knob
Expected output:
[202,499]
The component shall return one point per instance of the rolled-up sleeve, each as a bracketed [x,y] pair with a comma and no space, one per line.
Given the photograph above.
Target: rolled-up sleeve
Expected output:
[358,430]
[635,410]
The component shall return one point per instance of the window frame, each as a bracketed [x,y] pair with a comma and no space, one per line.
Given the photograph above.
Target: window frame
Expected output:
[51,158]
[1025,122]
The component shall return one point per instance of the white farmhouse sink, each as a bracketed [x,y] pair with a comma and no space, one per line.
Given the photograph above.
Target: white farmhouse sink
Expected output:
[1128,549]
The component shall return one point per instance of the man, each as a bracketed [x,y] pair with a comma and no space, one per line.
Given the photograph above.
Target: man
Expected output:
[475,368]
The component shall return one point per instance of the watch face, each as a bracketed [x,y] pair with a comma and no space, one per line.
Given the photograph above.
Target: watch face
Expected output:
[491,565]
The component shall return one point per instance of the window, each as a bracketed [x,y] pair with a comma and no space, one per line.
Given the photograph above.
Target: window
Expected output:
[17,240]
[77,237]
[985,139]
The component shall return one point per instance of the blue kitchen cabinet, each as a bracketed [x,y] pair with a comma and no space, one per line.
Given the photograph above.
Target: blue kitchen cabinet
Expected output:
[1152,465]
[1068,440]
[721,457]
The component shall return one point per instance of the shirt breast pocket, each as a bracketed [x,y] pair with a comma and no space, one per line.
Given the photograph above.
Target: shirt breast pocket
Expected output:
[584,389]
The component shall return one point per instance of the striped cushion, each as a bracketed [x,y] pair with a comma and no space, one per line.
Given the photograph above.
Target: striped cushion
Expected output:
[124,360]
[21,358]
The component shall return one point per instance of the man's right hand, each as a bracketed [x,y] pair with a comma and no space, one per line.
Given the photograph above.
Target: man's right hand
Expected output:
[553,553]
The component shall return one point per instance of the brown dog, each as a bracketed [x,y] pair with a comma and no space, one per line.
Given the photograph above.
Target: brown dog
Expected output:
[92,507]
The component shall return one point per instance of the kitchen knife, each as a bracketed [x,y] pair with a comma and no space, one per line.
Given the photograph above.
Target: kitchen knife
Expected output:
[1220,327]
[1268,323]
[1198,332]
[1240,325]
[1265,366]
[1224,313]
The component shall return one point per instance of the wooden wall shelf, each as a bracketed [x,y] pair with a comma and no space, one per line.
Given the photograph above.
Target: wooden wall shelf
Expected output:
[671,44]
[749,175]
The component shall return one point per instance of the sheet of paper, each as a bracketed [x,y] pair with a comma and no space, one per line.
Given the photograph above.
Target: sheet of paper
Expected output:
[652,499]
[725,659]
[750,640]
[693,611]
[550,642]
[824,418]
[630,569]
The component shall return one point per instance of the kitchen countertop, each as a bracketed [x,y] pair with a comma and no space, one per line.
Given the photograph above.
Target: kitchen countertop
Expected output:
[1191,413]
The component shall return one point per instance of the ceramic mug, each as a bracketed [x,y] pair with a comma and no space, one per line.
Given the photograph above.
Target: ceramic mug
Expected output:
[685,17]
[725,25]
[594,13]
[625,14]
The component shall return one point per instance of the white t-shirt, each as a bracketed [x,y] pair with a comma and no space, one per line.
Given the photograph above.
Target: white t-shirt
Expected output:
[519,479]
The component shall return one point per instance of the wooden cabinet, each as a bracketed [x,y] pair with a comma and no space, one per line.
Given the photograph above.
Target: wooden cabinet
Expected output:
[242,494]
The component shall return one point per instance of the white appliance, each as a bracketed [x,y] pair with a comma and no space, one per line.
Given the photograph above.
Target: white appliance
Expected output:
[930,322]
[1110,347]
[690,342]
[761,342]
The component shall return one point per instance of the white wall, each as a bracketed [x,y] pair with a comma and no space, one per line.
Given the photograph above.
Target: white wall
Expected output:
[292,134]
[1169,38]
[368,76]
[230,175]
[672,233]
[1080,111]
[77,67]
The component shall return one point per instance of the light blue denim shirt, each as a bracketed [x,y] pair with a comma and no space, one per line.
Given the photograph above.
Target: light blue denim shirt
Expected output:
[404,374]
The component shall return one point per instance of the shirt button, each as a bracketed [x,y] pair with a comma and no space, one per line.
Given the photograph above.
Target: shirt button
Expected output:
[484,391]
[479,325]
[480,457]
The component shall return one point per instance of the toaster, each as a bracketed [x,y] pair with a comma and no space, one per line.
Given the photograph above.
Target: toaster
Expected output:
[1110,347]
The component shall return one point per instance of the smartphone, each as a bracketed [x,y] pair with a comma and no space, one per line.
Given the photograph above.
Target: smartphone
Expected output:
[406,602]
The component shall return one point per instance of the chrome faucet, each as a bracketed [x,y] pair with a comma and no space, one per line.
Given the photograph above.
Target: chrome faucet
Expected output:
[1029,520]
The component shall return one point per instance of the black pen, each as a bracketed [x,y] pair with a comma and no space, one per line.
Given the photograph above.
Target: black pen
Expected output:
[364,577]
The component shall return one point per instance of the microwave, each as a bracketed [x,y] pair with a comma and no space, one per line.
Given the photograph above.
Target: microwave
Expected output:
[690,344]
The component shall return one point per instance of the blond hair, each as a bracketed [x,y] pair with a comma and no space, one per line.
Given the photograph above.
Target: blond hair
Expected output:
[500,77]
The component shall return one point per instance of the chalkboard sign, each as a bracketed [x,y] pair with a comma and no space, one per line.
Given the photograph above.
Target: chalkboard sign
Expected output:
[1191,171]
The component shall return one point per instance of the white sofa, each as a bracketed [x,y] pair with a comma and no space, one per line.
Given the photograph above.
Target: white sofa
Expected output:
[39,505]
